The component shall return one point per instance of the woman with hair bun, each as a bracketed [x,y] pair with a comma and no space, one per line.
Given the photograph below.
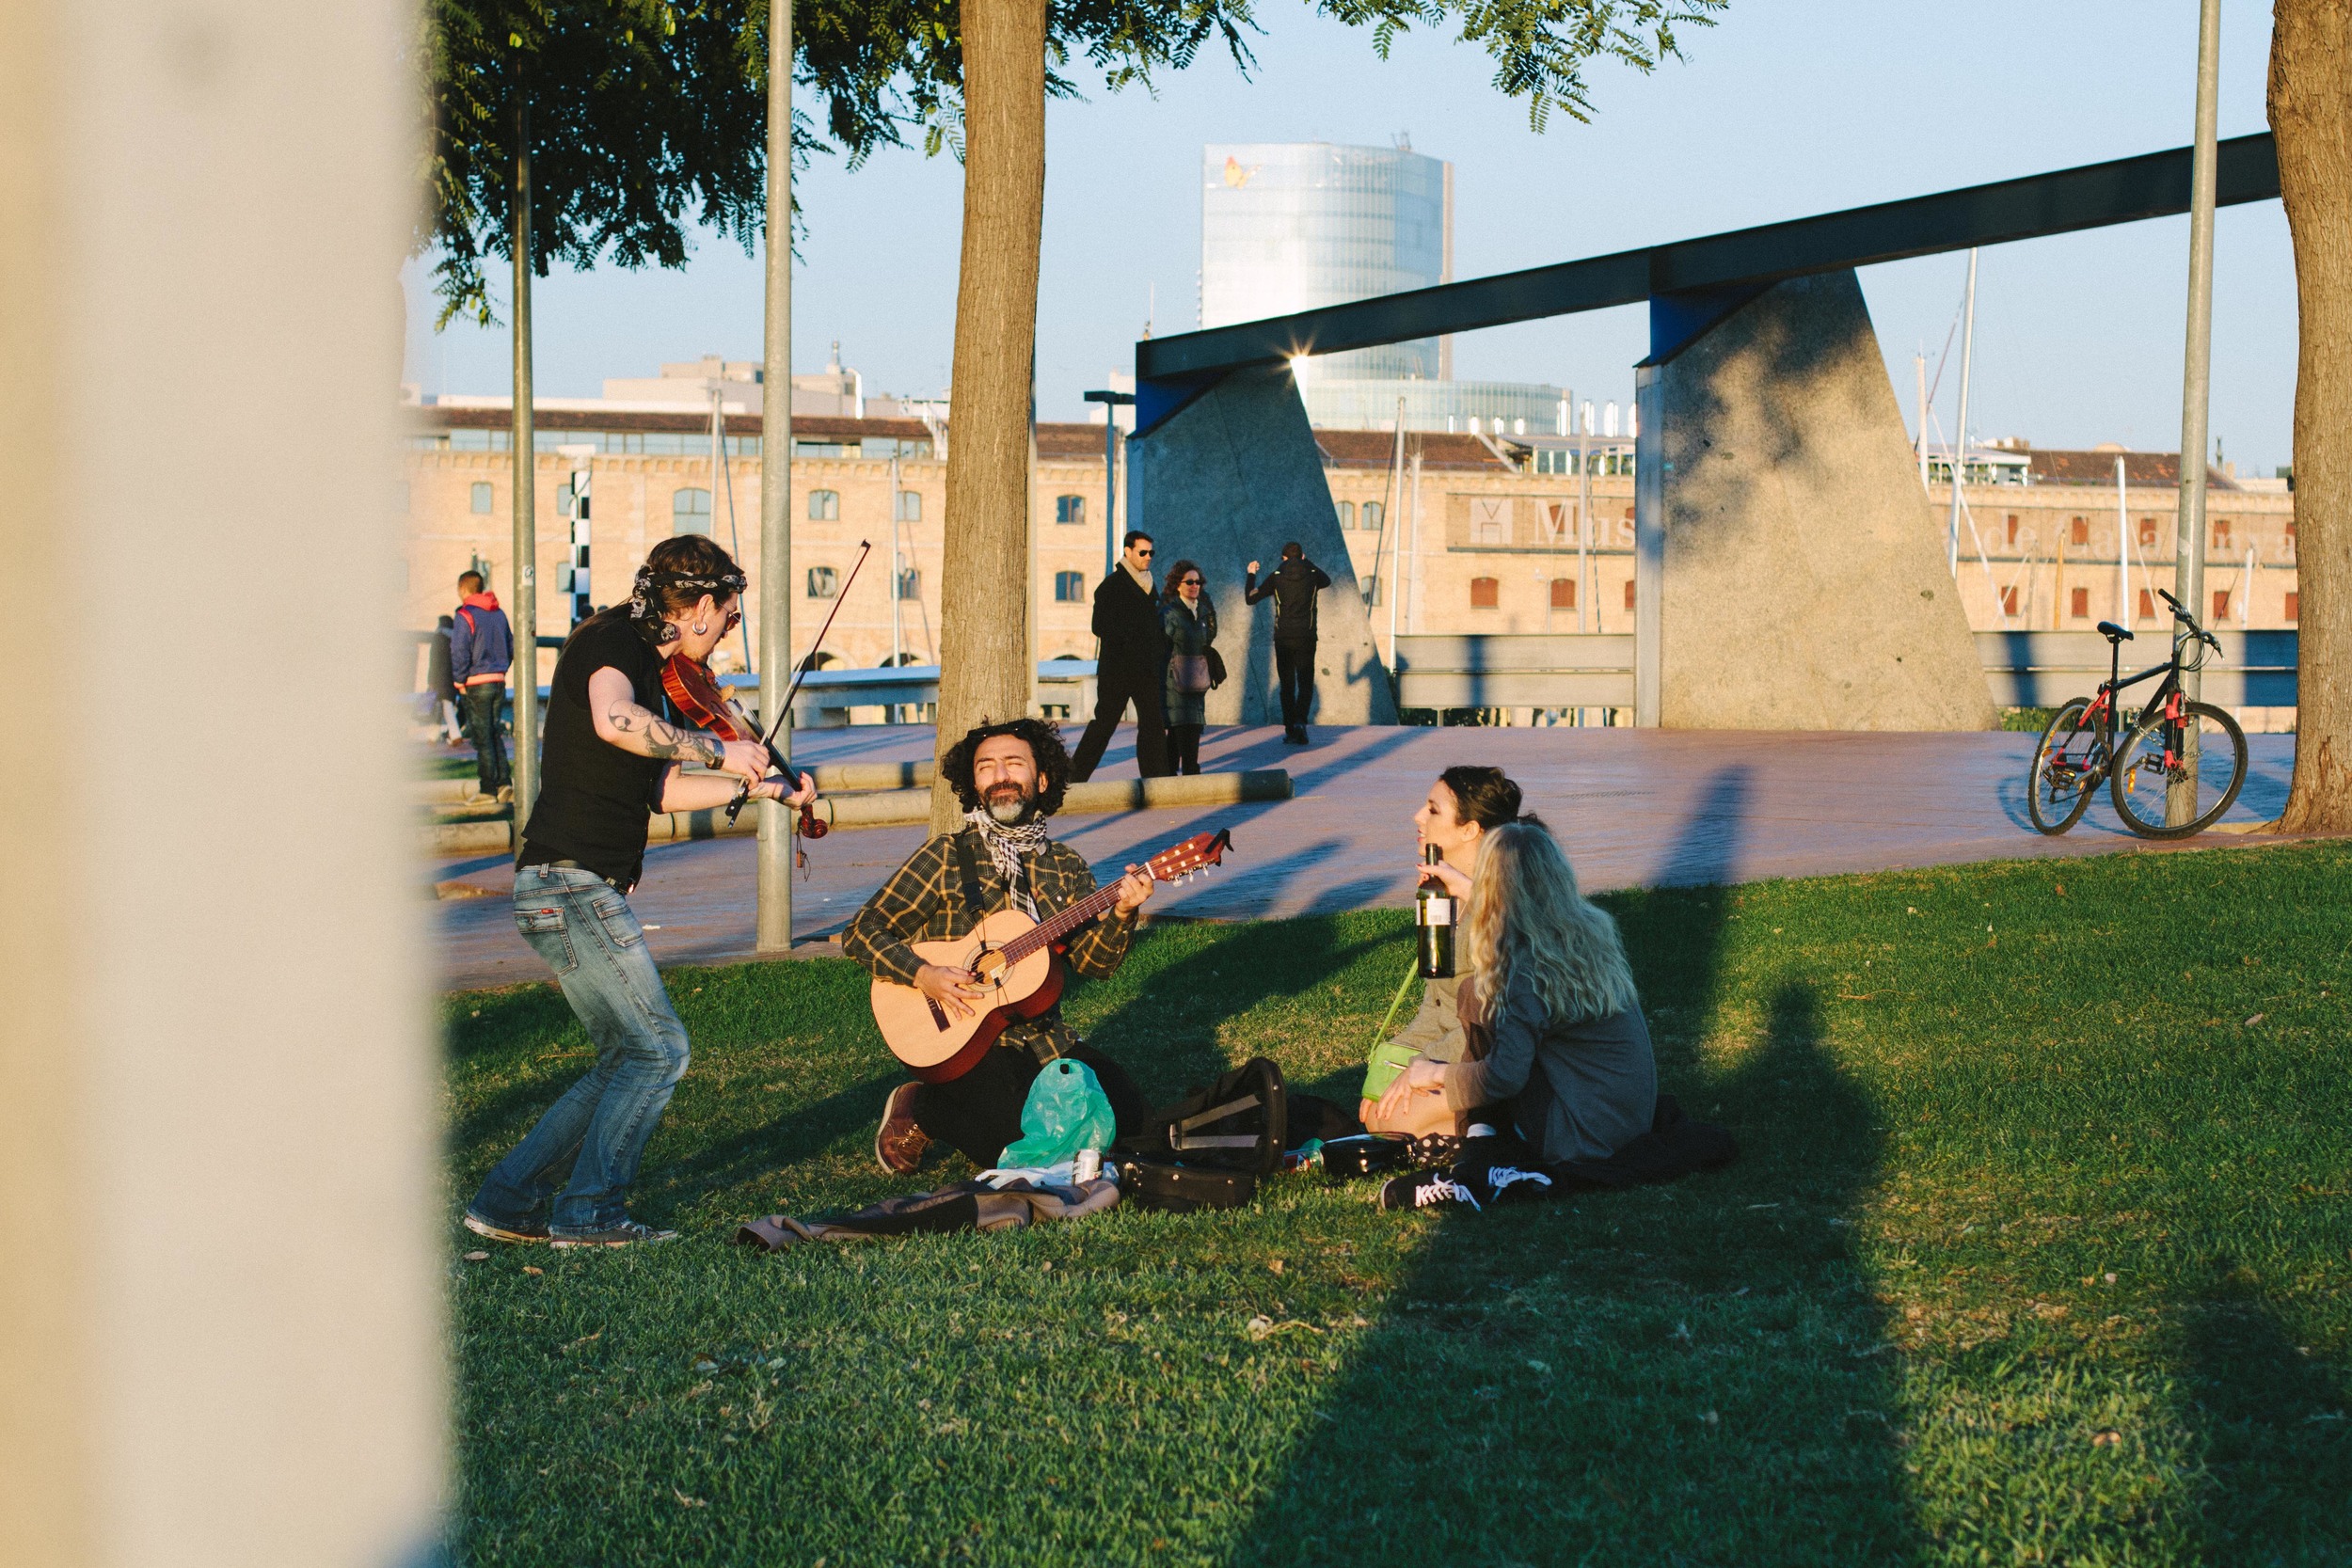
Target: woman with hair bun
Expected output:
[1556,1054]
[1462,807]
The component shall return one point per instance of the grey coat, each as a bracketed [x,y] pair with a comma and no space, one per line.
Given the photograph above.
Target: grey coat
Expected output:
[1185,635]
[1577,1091]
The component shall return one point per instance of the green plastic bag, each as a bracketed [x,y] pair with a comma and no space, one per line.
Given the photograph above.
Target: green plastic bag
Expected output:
[1388,1058]
[1066,1112]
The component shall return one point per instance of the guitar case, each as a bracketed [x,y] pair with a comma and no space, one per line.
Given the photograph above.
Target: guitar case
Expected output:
[1155,1185]
[1238,1123]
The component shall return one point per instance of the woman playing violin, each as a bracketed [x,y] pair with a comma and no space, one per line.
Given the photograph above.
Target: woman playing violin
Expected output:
[608,760]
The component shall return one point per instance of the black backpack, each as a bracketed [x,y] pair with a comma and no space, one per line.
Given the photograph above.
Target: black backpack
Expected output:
[1238,1123]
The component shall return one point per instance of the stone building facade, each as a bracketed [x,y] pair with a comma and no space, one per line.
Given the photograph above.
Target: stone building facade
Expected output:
[1483,535]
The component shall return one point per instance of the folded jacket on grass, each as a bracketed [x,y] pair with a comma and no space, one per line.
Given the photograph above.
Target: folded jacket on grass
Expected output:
[966,1206]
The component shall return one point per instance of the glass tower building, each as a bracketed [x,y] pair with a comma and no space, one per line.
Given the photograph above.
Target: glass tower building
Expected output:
[1291,225]
[1294,226]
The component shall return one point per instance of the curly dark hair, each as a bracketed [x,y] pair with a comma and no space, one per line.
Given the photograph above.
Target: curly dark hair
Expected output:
[1044,742]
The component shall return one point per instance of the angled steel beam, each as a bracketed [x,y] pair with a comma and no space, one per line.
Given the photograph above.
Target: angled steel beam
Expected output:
[2155,184]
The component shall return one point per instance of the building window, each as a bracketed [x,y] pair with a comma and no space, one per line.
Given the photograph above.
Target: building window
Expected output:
[690,511]
[2079,601]
[2147,532]
[2221,532]
[1069,509]
[2009,596]
[824,506]
[910,583]
[2078,531]
[2012,528]
[481,499]
[2220,605]
[1485,593]
[1069,587]
[1346,511]
[1373,515]
[910,506]
[1563,593]
[1628,593]
[2295,607]
[822,582]
[2147,604]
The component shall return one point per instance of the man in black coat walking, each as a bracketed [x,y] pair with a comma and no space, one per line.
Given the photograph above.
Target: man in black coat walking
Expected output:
[1292,587]
[1132,665]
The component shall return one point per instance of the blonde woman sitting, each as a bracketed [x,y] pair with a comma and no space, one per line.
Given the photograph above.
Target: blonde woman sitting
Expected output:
[1463,806]
[1557,1058]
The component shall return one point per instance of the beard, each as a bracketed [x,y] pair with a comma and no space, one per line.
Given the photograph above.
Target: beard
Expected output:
[1009,804]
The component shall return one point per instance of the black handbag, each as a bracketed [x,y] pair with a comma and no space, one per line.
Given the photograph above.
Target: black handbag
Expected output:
[1216,668]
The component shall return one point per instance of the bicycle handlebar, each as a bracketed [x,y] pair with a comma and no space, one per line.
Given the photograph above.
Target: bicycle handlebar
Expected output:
[2181,615]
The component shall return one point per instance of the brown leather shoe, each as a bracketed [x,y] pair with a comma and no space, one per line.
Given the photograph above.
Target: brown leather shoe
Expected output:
[899,1144]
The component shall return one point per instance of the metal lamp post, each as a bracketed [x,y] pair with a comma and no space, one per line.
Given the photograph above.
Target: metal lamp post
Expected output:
[2189,555]
[775,480]
[1112,402]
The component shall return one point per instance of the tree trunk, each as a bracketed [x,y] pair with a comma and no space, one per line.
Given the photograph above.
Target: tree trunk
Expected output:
[984,589]
[2311,113]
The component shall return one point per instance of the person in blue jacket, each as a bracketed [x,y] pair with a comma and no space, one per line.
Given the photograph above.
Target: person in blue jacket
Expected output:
[480,650]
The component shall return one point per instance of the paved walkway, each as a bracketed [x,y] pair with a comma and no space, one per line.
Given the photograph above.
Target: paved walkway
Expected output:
[1633,807]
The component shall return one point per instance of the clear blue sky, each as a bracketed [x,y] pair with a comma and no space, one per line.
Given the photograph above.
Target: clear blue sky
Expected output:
[1787,108]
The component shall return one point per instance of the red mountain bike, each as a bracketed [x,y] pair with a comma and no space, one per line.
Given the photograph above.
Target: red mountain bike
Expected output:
[2168,742]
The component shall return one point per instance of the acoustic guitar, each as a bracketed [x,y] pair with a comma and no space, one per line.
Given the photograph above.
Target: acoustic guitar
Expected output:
[1014,958]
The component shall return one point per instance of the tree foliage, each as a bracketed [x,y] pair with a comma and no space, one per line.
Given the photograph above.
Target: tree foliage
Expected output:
[645,115]
[640,113]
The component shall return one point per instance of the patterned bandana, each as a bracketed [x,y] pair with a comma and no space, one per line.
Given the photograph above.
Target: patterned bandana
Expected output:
[1005,846]
[640,591]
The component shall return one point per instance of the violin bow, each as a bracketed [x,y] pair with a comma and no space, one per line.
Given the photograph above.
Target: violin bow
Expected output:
[784,765]
[864,549]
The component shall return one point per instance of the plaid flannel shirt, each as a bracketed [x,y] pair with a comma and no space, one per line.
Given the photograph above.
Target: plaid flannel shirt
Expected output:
[923,901]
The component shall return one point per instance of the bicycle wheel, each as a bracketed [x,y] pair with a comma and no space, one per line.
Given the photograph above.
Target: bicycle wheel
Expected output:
[2067,768]
[2149,767]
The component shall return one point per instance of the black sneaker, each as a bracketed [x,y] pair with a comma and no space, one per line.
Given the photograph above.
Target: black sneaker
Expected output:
[1427,1189]
[626,1233]
[1514,1184]
[529,1231]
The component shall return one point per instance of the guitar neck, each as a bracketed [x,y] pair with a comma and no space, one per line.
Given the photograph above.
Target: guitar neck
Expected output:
[1069,920]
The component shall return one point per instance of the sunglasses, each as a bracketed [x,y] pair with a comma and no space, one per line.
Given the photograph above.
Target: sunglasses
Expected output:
[1190,582]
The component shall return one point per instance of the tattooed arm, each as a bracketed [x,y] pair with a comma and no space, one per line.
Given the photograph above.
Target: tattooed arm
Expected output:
[622,721]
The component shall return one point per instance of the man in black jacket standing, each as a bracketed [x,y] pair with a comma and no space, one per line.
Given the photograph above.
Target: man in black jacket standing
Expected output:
[1131,666]
[1293,586]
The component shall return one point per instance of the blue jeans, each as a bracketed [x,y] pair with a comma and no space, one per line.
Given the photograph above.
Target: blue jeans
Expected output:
[591,1140]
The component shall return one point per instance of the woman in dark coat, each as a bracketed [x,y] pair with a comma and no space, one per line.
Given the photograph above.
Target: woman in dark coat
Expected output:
[1189,619]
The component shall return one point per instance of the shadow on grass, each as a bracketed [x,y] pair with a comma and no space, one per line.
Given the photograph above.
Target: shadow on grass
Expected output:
[2276,1424]
[1167,1032]
[1692,1373]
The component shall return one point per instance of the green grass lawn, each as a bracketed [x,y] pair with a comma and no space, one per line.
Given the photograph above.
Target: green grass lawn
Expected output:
[2038,1253]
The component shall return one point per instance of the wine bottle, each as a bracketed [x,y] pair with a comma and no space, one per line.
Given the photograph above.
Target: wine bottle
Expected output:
[1433,915]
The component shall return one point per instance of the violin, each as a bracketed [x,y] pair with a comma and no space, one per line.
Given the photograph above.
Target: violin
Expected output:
[703,703]
[699,700]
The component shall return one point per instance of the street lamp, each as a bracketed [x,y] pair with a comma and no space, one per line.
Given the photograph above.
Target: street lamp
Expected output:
[1112,402]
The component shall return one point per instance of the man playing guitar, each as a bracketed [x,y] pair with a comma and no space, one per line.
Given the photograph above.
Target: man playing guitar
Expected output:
[608,760]
[1008,778]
